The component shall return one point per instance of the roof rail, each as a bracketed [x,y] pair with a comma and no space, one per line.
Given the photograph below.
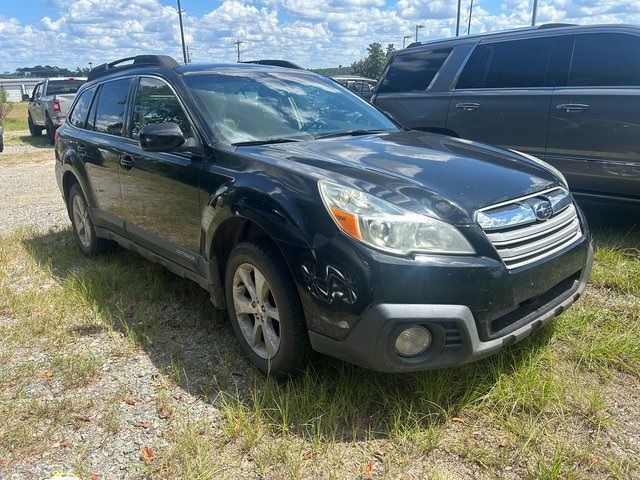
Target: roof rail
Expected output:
[131,62]
[555,25]
[276,63]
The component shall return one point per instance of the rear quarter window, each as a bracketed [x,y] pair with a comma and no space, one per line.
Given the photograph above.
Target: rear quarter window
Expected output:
[413,71]
[112,103]
[78,115]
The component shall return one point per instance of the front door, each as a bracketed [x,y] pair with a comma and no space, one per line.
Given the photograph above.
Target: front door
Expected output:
[35,106]
[160,189]
[502,96]
[594,128]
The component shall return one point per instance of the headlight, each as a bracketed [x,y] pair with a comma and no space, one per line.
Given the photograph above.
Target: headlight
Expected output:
[384,226]
[544,164]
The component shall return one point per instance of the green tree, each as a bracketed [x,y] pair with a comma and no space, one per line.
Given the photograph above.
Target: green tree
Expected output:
[372,65]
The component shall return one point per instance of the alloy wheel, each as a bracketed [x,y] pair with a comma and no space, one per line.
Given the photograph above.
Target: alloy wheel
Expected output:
[256,310]
[81,221]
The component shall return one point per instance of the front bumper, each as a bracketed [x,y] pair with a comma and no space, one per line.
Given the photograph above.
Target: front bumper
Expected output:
[454,330]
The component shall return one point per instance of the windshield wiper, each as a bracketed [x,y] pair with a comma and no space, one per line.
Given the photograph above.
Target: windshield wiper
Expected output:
[350,133]
[266,141]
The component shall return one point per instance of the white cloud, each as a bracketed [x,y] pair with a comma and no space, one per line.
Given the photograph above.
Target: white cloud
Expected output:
[320,33]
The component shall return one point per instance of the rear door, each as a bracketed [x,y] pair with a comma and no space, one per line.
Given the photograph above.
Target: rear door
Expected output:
[502,95]
[100,147]
[594,129]
[160,189]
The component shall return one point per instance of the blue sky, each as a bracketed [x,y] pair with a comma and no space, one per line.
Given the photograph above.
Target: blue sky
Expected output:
[313,33]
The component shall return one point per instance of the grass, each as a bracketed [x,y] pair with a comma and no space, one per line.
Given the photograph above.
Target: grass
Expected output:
[561,404]
[17,118]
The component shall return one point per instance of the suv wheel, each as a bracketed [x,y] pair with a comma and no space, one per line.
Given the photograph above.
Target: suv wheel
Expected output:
[33,129]
[265,309]
[83,232]
[51,131]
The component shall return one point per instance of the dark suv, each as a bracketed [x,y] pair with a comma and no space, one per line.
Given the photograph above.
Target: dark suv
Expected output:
[568,94]
[314,219]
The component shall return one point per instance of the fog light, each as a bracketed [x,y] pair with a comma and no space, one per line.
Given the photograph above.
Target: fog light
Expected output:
[413,341]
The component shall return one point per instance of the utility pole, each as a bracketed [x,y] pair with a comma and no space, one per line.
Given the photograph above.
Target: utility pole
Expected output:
[404,40]
[458,19]
[417,27]
[533,14]
[184,48]
[470,13]
[237,43]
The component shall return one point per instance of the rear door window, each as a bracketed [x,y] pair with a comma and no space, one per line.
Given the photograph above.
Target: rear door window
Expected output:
[112,103]
[510,64]
[413,71]
[78,116]
[605,59]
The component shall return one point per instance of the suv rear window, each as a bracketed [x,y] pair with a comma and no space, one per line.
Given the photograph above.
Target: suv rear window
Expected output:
[605,59]
[511,64]
[413,71]
[111,106]
[61,87]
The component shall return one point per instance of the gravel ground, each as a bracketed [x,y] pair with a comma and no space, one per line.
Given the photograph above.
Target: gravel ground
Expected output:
[29,195]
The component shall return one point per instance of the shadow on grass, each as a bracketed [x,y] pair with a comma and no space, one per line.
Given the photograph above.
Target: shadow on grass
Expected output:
[37,142]
[172,320]
[614,224]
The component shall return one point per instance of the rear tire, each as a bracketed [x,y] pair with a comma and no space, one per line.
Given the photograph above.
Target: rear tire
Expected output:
[51,132]
[83,232]
[265,310]
[34,130]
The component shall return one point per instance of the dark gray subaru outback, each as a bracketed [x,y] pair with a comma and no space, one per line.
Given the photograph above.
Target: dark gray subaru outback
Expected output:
[316,221]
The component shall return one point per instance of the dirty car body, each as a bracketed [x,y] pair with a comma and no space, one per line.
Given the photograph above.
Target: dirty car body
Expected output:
[380,230]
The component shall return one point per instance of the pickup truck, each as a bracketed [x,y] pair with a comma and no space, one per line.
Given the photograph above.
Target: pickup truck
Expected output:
[49,103]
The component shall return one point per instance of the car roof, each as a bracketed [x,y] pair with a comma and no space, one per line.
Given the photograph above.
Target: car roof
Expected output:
[71,77]
[191,68]
[353,77]
[540,30]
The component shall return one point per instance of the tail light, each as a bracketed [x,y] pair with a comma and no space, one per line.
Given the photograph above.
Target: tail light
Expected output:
[373,98]
[56,106]
[56,137]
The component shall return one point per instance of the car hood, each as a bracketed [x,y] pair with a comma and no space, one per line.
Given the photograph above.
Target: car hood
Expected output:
[433,174]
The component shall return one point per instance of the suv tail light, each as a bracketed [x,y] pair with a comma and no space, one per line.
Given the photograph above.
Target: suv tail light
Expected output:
[56,106]
[56,137]
[373,98]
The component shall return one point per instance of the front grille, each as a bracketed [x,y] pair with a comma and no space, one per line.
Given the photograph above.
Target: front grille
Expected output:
[531,228]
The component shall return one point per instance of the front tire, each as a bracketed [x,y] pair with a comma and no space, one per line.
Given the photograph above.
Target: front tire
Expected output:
[265,310]
[83,232]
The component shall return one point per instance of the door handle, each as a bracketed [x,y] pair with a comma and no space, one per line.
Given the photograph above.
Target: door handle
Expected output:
[82,149]
[468,106]
[573,107]
[127,162]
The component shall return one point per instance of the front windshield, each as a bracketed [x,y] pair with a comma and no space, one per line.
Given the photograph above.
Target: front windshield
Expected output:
[246,106]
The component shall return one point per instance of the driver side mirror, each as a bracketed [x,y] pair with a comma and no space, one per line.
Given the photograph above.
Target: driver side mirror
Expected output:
[161,137]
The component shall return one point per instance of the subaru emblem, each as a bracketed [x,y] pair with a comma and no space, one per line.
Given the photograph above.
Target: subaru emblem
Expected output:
[543,209]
